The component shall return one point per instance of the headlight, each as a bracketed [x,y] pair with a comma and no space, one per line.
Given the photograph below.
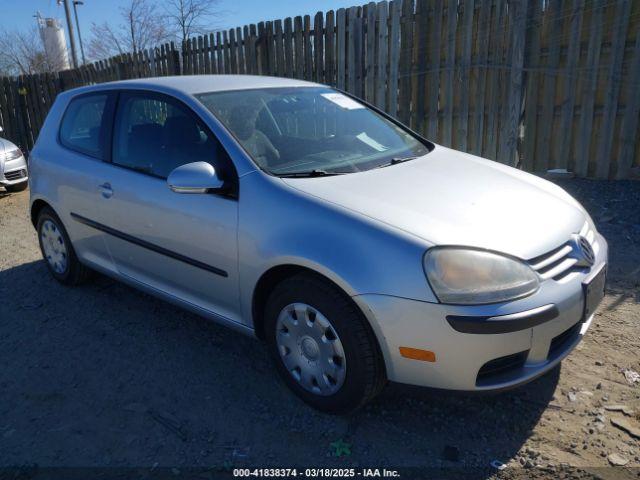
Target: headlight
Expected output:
[470,277]
[13,154]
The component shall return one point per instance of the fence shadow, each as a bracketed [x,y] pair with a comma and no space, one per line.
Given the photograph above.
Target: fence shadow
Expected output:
[102,375]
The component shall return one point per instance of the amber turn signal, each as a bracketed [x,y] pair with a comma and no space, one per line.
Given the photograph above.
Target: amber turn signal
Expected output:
[418,354]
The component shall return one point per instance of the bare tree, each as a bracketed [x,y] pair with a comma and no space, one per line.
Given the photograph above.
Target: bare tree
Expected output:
[143,26]
[187,18]
[106,41]
[22,53]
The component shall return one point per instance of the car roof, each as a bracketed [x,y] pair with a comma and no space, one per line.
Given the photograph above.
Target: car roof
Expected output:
[193,84]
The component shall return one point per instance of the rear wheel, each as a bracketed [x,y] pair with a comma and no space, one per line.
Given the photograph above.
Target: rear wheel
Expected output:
[58,251]
[16,187]
[322,346]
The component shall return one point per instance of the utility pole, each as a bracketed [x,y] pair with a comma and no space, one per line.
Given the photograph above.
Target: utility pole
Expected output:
[72,39]
[75,12]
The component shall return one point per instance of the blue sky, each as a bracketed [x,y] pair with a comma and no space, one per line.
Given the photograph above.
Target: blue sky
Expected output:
[18,14]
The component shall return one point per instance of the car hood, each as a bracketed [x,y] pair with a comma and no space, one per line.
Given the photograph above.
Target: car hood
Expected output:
[451,198]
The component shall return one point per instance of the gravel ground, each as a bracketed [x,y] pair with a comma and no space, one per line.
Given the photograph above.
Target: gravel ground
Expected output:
[104,376]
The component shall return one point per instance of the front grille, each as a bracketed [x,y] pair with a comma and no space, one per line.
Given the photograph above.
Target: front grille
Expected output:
[15,175]
[13,154]
[501,366]
[558,263]
[562,341]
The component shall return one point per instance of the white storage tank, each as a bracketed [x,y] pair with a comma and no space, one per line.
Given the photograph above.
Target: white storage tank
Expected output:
[55,44]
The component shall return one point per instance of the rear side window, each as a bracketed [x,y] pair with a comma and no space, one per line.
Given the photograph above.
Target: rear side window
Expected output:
[82,125]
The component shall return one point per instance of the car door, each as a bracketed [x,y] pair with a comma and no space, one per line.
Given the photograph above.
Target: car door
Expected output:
[79,169]
[183,245]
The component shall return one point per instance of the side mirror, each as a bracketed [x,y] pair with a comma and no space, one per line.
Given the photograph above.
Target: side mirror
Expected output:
[196,177]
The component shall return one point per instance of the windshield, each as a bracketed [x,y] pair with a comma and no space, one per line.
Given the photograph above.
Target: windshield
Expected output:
[311,130]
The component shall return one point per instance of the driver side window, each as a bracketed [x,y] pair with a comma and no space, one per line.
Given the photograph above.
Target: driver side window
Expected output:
[154,134]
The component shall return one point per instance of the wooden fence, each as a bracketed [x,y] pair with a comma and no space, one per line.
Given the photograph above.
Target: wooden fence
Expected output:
[539,84]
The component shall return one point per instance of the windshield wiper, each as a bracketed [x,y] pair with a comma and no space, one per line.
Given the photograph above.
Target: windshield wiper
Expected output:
[311,173]
[396,160]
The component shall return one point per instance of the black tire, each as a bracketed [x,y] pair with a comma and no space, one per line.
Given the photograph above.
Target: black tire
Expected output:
[17,187]
[365,372]
[75,272]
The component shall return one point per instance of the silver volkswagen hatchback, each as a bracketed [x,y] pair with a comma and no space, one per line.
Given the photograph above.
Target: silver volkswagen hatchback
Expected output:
[359,251]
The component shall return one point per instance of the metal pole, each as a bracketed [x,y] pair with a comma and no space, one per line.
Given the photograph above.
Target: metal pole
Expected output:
[72,39]
[75,12]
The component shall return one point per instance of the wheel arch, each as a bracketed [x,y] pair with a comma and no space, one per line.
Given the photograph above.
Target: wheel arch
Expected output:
[276,274]
[265,285]
[36,207]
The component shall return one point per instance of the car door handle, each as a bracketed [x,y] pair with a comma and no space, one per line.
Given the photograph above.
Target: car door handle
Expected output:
[105,190]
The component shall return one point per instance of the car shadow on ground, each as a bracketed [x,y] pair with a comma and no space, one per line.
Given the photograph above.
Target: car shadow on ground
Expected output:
[105,375]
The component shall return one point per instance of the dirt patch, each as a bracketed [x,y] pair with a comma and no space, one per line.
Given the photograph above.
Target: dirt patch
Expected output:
[103,375]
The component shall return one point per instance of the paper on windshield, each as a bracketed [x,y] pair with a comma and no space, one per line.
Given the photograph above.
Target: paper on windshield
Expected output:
[342,101]
[364,138]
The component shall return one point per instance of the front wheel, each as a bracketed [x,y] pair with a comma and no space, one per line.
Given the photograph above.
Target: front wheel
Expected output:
[322,345]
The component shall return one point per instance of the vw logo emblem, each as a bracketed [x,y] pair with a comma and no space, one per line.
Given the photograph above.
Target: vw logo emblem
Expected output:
[583,251]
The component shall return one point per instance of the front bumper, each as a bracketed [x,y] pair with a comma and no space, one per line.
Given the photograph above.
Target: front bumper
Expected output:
[480,361]
[14,171]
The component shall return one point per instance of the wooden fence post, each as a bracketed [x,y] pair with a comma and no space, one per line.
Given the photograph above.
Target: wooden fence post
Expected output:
[612,89]
[532,82]
[341,27]
[298,47]
[370,50]
[318,47]
[509,138]
[570,80]
[330,49]
[394,56]
[308,54]
[629,128]
[381,59]
[279,48]
[406,57]
[462,134]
